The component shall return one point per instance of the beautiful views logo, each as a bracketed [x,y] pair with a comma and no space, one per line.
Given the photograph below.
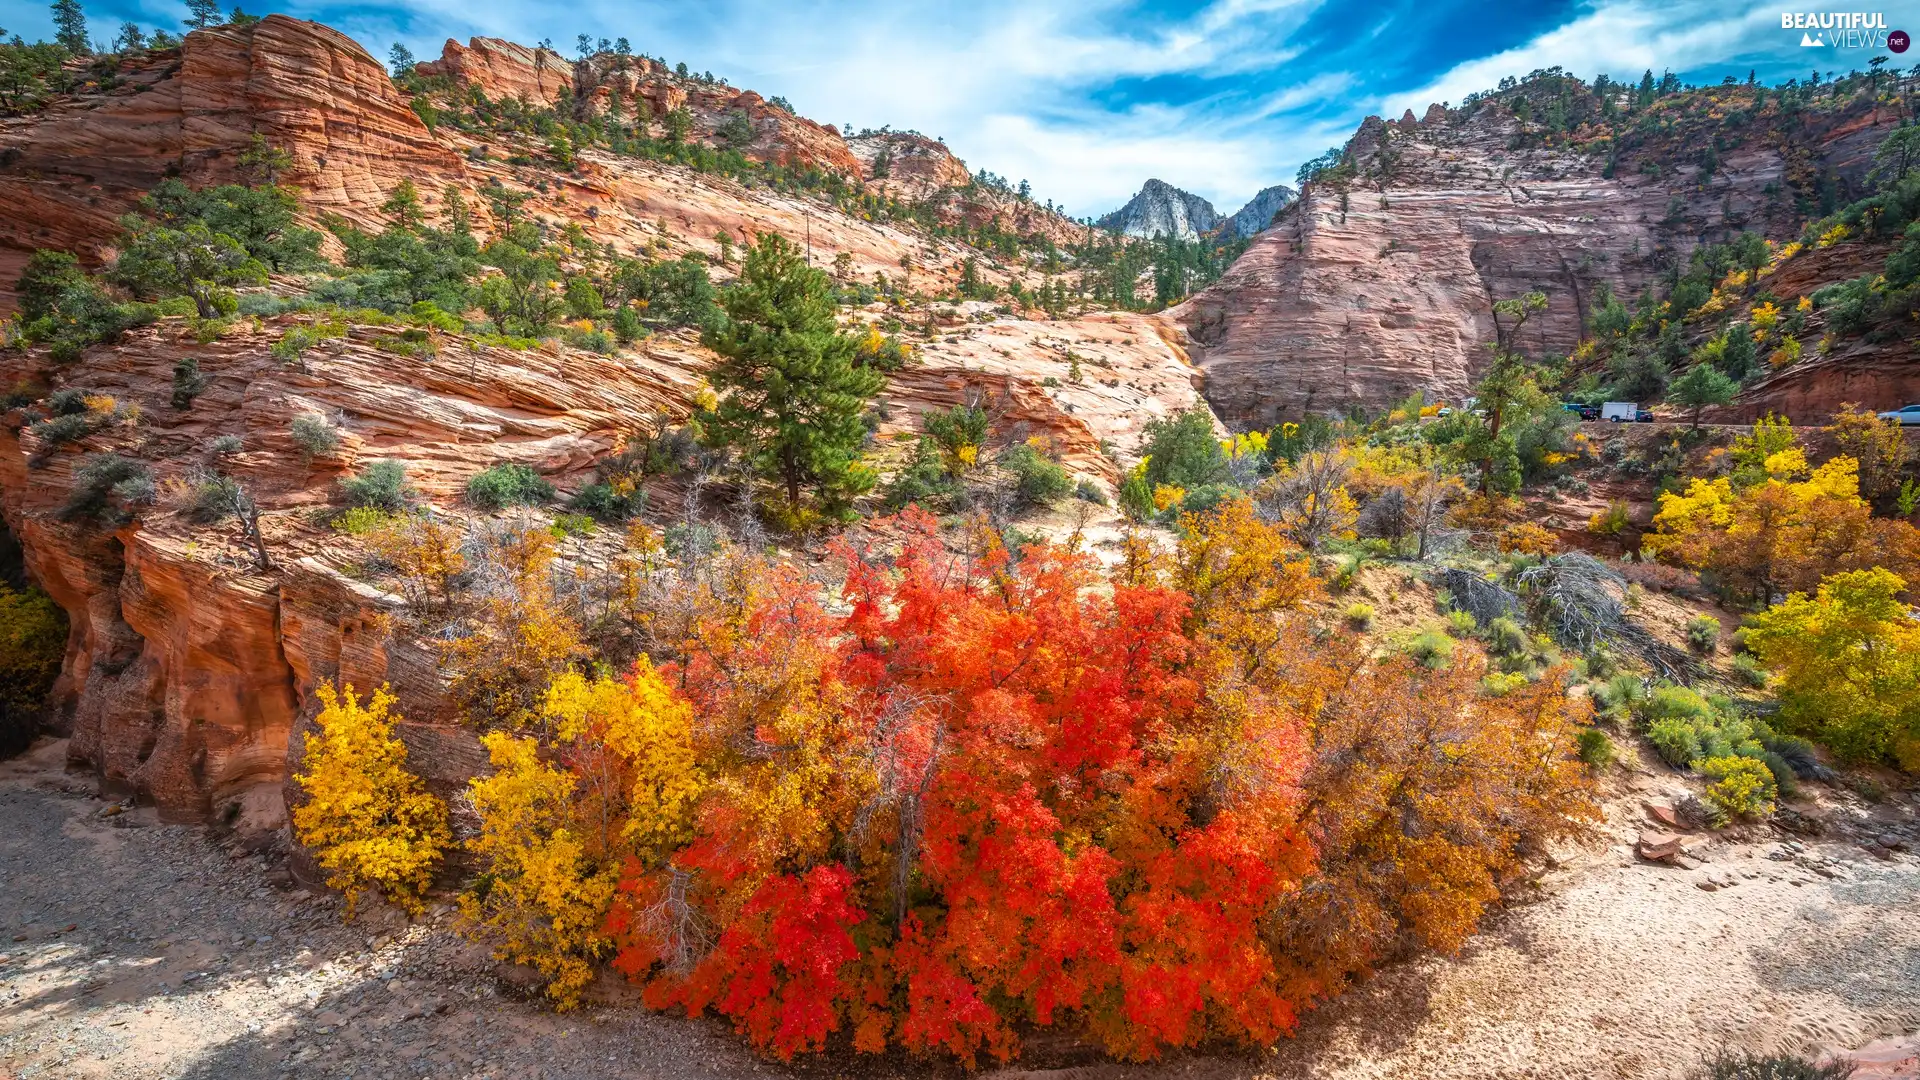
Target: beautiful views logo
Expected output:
[1838,29]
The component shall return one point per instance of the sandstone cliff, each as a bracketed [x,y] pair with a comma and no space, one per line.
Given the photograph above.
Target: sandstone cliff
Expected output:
[67,175]
[186,669]
[1382,283]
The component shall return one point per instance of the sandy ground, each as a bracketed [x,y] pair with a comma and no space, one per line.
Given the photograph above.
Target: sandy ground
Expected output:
[132,949]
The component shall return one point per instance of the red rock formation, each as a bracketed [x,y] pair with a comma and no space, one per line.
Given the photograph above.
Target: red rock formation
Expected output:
[1085,383]
[1360,296]
[307,88]
[502,69]
[907,165]
[922,170]
[186,669]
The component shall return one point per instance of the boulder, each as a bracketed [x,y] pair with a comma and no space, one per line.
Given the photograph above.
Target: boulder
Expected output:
[1660,847]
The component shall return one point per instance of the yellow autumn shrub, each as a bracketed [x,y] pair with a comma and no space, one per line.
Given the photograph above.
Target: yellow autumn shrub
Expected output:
[1742,787]
[370,823]
[543,896]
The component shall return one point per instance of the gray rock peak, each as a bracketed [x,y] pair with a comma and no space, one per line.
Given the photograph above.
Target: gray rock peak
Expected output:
[1163,210]
[1257,215]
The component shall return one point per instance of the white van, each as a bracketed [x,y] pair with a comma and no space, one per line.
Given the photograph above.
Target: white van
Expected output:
[1620,412]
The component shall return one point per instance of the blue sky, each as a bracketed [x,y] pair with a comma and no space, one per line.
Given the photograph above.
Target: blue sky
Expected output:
[1088,98]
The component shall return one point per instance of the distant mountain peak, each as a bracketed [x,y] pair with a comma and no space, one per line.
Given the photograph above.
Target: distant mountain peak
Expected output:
[1160,209]
[1257,215]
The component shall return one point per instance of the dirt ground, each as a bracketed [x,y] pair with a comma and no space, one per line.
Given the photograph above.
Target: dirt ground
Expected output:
[133,949]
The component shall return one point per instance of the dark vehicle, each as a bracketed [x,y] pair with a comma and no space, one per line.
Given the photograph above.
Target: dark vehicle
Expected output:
[1643,416]
[1586,412]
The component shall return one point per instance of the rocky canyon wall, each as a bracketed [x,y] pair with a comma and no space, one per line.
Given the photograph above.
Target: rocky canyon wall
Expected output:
[1366,291]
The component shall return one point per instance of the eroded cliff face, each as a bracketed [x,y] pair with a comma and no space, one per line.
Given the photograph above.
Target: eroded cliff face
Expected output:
[66,176]
[1090,385]
[1366,291]
[186,668]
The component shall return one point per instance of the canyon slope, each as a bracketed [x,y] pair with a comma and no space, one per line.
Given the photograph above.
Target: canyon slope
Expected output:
[1380,280]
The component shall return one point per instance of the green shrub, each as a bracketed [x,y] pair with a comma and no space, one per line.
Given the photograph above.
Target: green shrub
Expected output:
[1087,491]
[1741,788]
[1359,616]
[1677,702]
[1038,481]
[224,445]
[508,485]
[1596,749]
[1461,624]
[1182,451]
[1675,740]
[33,642]
[65,428]
[1505,636]
[1431,649]
[572,525]
[1703,633]
[924,479]
[955,430]
[71,401]
[1600,663]
[1780,767]
[102,481]
[1620,696]
[363,520]
[1748,670]
[1207,497]
[313,435]
[606,502]
[382,485]
[188,383]
[1502,683]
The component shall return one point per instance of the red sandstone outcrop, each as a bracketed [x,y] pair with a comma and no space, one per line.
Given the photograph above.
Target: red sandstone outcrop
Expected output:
[502,69]
[187,669]
[307,88]
[907,165]
[1879,371]
[1090,385]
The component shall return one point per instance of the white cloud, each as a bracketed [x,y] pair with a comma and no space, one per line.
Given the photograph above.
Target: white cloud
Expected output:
[1617,39]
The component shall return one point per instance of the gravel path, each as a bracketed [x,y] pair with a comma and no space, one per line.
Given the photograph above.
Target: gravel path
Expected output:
[132,949]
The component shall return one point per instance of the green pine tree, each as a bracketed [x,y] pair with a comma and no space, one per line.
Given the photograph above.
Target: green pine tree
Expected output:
[70,27]
[795,400]
[203,13]
[1701,386]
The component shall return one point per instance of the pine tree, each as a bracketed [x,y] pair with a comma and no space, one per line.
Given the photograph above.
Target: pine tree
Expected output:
[203,13]
[70,27]
[400,59]
[1701,386]
[795,398]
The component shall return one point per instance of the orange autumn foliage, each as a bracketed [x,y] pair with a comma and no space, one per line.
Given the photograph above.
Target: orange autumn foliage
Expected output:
[985,794]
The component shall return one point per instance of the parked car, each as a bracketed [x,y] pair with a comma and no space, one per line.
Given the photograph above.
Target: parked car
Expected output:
[1904,416]
[1585,412]
[1643,416]
[1620,412]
